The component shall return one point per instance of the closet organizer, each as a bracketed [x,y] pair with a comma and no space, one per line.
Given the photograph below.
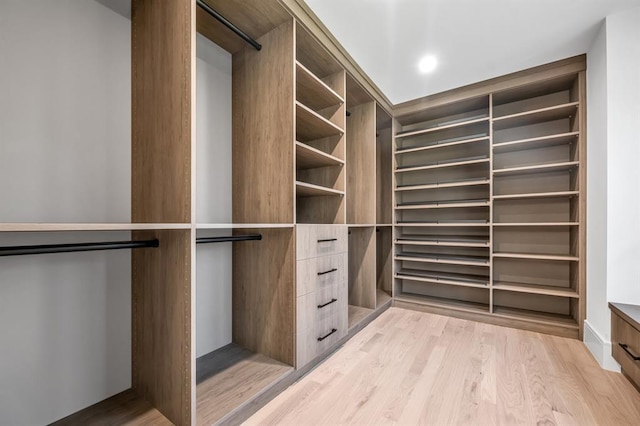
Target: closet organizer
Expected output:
[260,233]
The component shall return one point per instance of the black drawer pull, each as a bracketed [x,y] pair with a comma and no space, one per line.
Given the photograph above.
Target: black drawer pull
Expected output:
[320,339]
[327,272]
[328,240]
[626,349]
[328,303]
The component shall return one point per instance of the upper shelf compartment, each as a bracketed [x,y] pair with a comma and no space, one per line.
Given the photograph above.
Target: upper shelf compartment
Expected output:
[444,116]
[313,92]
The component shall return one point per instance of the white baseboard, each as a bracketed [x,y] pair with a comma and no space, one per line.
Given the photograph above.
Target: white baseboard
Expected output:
[599,348]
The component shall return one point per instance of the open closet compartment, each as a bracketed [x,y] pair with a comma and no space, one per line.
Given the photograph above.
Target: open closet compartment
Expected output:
[245,313]
[319,133]
[489,195]
[121,319]
[442,205]
[362,273]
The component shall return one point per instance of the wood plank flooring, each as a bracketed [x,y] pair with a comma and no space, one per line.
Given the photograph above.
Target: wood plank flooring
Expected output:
[411,368]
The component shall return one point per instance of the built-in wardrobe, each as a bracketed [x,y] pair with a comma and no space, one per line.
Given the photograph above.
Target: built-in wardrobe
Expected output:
[201,200]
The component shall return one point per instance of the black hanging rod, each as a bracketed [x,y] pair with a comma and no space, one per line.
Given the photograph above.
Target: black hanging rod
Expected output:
[229,24]
[68,248]
[206,240]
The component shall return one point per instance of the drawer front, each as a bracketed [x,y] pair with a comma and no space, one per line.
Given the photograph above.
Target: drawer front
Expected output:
[320,272]
[625,333]
[319,314]
[320,240]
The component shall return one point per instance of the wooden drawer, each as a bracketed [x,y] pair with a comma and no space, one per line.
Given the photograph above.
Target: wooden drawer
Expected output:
[320,240]
[318,314]
[625,331]
[320,272]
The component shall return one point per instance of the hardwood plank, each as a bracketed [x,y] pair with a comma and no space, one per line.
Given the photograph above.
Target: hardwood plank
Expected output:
[263,130]
[264,294]
[125,408]
[361,160]
[161,323]
[419,368]
[163,64]
[230,377]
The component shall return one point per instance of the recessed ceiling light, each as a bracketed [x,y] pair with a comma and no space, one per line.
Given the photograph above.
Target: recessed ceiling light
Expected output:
[427,64]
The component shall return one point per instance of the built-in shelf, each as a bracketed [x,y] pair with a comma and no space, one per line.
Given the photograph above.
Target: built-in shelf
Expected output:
[243,225]
[124,408]
[540,168]
[443,205]
[541,115]
[308,157]
[440,302]
[443,126]
[230,377]
[535,289]
[537,224]
[542,318]
[304,189]
[313,92]
[450,278]
[448,184]
[441,144]
[533,256]
[558,194]
[443,164]
[444,223]
[441,258]
[312,126]
[442,240]
[62,227]
[536,143]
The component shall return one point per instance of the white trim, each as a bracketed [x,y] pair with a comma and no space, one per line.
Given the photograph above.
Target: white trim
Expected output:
[599,348]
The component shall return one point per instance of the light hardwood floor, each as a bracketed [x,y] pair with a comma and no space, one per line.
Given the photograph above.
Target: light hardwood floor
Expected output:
[411,368]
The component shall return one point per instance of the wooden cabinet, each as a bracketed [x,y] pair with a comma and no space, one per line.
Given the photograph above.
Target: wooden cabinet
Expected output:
[490,200]
[625,339]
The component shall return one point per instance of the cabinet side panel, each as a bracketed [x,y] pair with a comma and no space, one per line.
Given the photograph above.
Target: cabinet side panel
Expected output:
[161,323]
[361,164]
[162,61]
[263,130]
[264,294]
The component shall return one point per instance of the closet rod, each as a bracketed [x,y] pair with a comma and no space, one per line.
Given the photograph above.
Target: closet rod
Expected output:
[229,24]
[68,248]
[206,240]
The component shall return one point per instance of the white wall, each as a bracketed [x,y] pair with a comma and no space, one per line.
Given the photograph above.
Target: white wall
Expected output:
[213,197]
[613,198]
[65,332]
[623,140]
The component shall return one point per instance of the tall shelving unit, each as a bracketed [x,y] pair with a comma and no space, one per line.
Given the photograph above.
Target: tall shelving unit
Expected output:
[490,200]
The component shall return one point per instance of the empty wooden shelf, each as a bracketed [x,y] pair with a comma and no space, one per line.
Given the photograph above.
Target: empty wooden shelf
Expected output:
[311,126]
[308,157]
[313,92]
[304,189]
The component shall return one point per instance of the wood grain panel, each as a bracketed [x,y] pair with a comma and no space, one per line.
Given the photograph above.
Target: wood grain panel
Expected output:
[161,323]
[532,75]
[231,377]
[362,267]
[163,56]
[384,179]
[263,130]
[264,294]
[361,164]
[384,260]
[325,209]
[582,200]
[625,333]
[125,408]
[254,17]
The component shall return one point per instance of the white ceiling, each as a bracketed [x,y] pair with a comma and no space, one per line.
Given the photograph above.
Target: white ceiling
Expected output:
[473,39]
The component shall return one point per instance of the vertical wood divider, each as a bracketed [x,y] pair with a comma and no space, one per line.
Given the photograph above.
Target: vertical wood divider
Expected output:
[163,56]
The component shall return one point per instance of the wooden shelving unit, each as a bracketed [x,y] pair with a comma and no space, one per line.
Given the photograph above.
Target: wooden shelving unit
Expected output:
[522,248]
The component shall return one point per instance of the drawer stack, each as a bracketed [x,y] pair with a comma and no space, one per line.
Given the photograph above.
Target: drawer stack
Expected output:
[322,292]
[625,339]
